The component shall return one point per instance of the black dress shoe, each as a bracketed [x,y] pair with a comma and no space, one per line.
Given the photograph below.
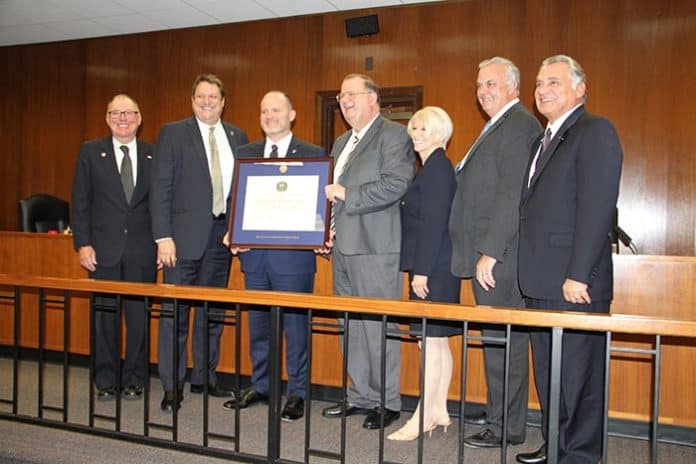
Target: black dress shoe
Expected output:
[293,409]
[213,390]
[247,397]
[338,409]
[475,419]
[484,439]
[132,392]
[535,457]
[372,421]
[167,403]
[106,394]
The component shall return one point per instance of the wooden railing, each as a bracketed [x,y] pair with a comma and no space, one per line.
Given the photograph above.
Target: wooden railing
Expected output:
[557,321]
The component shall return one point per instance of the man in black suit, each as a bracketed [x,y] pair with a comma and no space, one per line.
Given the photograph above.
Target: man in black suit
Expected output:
[189,202]
[566,214]
[483,225]
[113,236]
[282,270]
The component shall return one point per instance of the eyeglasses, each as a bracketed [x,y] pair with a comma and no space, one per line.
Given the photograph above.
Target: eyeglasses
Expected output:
[115,114]
[350,95]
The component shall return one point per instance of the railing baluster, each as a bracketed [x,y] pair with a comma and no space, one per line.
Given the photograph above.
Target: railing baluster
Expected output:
[605,425]
[554,394]
[656,401]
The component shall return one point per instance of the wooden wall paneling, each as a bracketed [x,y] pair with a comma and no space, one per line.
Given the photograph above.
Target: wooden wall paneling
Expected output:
[50,123]
[11,144]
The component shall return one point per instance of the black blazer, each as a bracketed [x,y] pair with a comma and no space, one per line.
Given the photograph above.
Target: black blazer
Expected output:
[280,261]
[100,215]
[425,209]
[567,212]
[180,200]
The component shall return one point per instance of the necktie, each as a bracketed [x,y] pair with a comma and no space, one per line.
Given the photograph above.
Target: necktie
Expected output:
[343,158]
[215,175]
[544,145]
[274,151]
[127,174]
[338,171]
[461,163]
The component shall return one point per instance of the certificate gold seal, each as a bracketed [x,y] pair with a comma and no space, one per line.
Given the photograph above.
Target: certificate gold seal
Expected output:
[283,168]
[281,186]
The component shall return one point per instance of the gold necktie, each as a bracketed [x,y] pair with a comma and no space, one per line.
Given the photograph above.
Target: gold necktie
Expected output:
[216,175]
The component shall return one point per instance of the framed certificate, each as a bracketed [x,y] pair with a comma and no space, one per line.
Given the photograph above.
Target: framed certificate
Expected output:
[280,203]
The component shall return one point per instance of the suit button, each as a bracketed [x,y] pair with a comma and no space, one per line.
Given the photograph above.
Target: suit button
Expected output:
[125,231]
[403,202]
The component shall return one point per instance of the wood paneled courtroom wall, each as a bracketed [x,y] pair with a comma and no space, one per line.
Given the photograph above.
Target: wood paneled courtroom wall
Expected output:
[638,55]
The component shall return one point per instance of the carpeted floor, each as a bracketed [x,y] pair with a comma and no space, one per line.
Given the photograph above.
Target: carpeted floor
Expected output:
[21,443]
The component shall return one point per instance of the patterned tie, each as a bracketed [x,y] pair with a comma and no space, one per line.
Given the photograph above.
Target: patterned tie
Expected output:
[127,174]
[544,145]
[215,175]
[274,151]
[546,140]
[338,171]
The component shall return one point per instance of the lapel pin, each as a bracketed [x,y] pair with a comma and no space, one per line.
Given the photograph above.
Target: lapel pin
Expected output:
[294,150]
[148,157]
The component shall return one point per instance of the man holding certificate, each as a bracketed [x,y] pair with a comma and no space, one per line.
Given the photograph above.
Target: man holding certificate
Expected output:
[374,166]
[282,270]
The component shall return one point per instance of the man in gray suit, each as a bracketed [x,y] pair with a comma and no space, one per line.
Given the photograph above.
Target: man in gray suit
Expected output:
[374,166]
[483,225]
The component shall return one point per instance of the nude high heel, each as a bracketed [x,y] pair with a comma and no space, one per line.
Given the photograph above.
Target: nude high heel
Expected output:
[443,422]
[409,433]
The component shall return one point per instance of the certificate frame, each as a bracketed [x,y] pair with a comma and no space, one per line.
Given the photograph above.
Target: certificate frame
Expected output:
[252,217]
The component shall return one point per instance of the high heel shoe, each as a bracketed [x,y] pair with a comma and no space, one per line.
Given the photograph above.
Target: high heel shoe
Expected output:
[409,431]
[443,422]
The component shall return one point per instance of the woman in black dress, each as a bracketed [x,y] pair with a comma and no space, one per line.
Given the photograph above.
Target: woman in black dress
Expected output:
[426,252]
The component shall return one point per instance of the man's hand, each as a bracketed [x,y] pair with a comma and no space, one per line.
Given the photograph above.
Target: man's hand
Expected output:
[576,292]
[419,284]
[335,193]
[484,272]
[166,253]
[329,244]
[88,258]
[234,250]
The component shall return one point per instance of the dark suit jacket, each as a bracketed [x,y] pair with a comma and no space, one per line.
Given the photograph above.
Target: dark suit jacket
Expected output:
[280,261]
[181,194]
[567,212]
[376,176]
[484,218]
[425,242]
[100,215]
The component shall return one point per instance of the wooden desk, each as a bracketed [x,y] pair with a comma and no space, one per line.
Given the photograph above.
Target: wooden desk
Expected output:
[646,285]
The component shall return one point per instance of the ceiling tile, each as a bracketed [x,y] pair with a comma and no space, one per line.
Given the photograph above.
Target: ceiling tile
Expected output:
[180,16]
[283,8]
[130,24]
[227,12]
[80,28]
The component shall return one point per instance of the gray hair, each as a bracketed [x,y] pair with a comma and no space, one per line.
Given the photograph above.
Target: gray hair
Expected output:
[368,82]
[512,72]
[577,74]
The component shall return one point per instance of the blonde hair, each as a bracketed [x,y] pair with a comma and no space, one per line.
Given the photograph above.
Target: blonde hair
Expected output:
[436,121]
